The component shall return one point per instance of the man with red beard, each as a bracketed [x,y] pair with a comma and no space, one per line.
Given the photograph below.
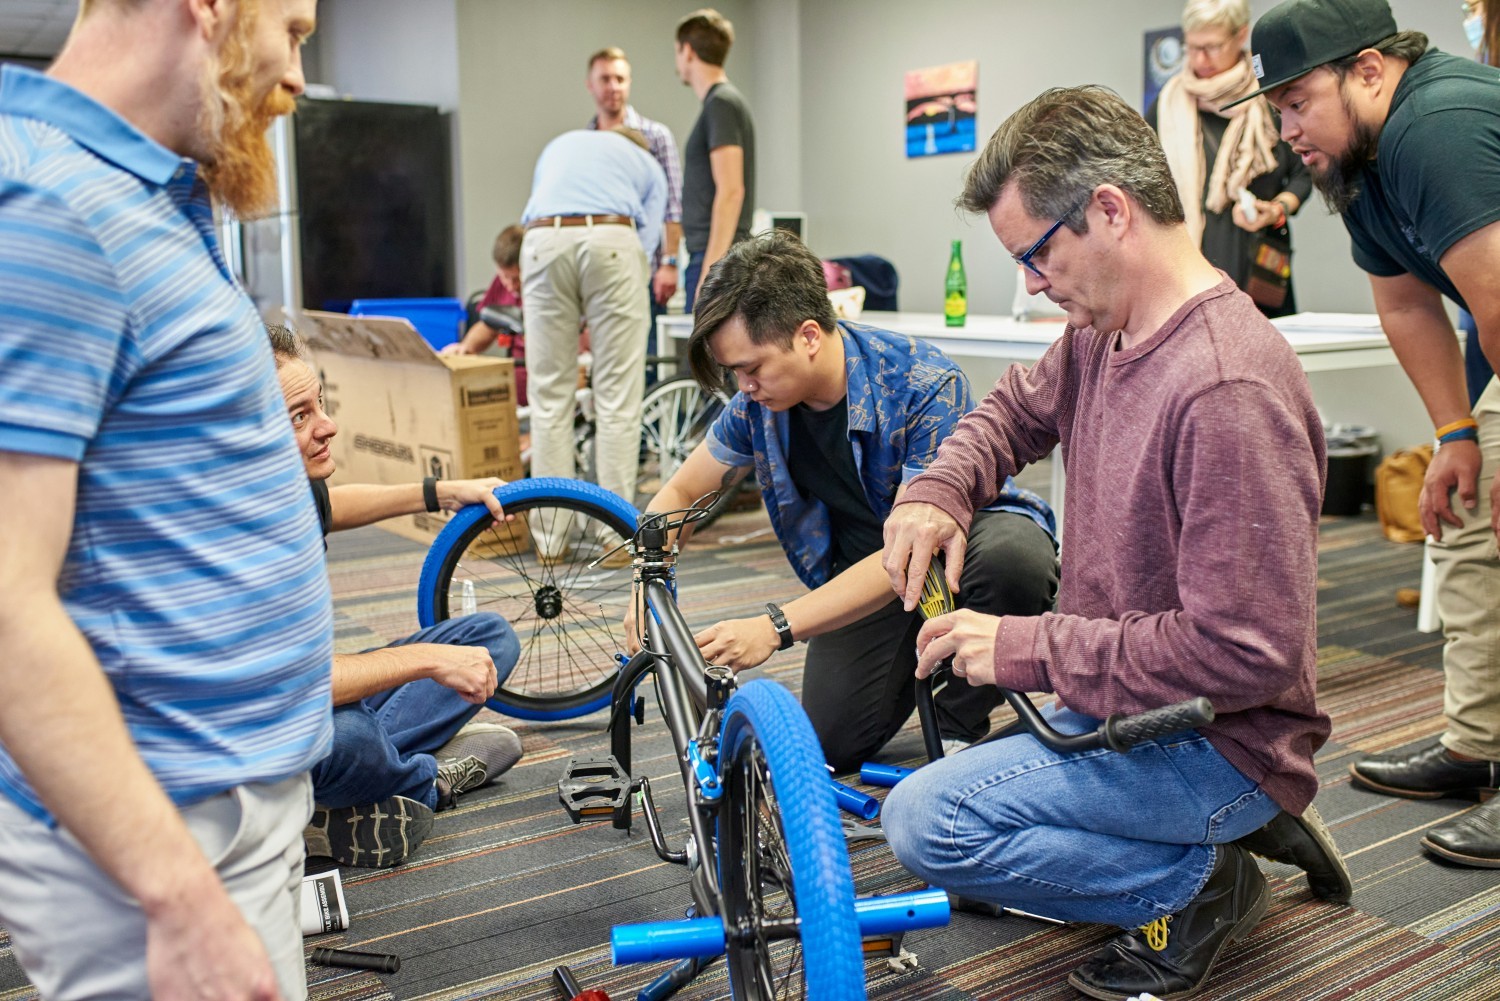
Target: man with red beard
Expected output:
[1404,142]
[165,622]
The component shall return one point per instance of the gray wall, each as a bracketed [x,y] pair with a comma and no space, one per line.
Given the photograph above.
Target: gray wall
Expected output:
[824,78]
[522,70]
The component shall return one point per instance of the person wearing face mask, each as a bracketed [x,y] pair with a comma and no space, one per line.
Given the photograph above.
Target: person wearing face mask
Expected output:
[1215,156]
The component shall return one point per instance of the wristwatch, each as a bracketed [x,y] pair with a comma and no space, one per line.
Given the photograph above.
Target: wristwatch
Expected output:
[670,261]
[778,619]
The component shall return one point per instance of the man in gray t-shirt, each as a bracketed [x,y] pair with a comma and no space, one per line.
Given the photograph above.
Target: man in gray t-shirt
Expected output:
[718,184]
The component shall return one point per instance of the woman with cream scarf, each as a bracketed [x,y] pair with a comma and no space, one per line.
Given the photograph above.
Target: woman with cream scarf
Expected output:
[1214,155]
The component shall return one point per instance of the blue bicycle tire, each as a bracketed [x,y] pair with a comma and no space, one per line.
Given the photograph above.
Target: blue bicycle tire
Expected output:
[521,597]
[765,729]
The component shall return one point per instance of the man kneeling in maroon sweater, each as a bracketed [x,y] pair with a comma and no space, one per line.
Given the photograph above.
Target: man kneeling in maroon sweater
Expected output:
[1195,466]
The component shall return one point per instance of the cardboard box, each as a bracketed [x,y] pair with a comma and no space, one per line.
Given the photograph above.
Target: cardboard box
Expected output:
[405,412]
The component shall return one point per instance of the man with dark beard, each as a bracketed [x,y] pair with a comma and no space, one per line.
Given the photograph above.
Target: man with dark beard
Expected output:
[1404,141]
[165,622]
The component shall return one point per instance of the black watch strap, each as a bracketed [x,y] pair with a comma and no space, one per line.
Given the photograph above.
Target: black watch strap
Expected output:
[778,619]
[429,494]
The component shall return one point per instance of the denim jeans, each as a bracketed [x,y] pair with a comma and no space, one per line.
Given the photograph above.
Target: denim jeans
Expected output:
[690,281]
[383,746]
[1119,839]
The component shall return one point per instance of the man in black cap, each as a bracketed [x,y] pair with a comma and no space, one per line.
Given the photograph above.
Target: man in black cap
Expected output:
[1404,142]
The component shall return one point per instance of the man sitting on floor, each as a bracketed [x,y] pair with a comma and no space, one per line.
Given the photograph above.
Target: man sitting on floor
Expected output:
[1195,465]
[404,740]
[832,416]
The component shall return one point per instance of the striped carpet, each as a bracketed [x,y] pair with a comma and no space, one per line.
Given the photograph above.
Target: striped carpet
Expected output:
[506,888]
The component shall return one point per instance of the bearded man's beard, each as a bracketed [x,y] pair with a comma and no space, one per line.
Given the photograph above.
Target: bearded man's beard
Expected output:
[1339,184]
[238,166]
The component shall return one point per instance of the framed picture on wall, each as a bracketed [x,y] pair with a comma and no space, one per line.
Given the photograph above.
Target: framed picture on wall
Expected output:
[1163,58]
[941,104]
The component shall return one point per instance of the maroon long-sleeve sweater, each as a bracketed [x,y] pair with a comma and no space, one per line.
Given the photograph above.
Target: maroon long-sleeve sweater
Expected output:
[1195,475]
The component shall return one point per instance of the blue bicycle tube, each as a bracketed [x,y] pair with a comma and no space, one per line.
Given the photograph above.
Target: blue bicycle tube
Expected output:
[767,741]
[549,603]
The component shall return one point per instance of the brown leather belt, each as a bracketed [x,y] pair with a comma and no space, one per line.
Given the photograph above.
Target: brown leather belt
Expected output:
[581,220]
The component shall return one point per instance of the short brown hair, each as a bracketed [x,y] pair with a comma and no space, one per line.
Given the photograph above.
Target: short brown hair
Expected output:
[1063,145]
[634,135]
[1408,46]
[708,33]
[608,54]
[507,252]
[773,283]
[286,344]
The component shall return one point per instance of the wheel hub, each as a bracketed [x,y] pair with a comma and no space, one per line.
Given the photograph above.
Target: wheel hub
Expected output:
[549,601]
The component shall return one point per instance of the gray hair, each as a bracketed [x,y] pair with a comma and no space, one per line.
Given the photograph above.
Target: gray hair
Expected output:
[1231,15]
[1062,146]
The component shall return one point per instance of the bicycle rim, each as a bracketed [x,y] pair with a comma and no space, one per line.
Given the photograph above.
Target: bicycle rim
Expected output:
[534,571]
[675,417]
[782,857]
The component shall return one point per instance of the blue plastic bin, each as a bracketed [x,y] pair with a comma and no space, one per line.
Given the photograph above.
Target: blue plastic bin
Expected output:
[439,321]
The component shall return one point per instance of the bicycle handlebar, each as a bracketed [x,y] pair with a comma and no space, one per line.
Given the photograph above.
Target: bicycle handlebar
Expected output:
[1118,733]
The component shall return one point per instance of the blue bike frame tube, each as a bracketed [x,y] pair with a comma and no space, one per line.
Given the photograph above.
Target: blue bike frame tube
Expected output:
[651,941]
[875,773]
[855,802]
[901,912]
[667,631]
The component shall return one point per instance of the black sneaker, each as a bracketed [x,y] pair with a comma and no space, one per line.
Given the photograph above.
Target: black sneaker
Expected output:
[476,756]
[1305,843]
[1173,956]
[372,836]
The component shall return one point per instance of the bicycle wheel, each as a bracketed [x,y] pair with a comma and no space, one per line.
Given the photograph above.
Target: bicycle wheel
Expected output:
[782,856]
[675,417]
[534,572]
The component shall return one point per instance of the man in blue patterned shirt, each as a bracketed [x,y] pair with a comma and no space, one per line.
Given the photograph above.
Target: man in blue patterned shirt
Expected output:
[165,622]
[833,417]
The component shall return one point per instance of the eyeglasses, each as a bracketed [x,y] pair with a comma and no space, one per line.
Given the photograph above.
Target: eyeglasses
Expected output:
[1211,51]
[1025,259]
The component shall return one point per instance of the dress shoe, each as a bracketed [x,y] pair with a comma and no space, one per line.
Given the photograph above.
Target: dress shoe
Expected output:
[1173,956]
[1305,843]
[1428,773]
[1473,839]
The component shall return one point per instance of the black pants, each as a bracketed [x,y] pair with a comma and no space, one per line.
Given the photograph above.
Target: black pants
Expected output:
[859,684]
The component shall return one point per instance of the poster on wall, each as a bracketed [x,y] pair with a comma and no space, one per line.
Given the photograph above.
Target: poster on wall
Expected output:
[941,103]
[1163,58]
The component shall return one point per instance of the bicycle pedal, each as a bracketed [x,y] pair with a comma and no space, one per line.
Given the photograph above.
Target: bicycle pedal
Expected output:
[888,948]
[593,789]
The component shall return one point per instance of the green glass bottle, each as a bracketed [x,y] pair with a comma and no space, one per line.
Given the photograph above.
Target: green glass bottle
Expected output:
[956,288]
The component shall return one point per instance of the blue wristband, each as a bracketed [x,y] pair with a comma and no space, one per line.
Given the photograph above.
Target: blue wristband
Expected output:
[1462,434]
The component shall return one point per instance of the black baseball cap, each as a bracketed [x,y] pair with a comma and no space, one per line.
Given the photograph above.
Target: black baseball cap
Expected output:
[1296,37]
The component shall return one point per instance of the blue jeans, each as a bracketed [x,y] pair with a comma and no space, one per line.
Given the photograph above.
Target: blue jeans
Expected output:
[1119,839]
[690,281]
[383,746]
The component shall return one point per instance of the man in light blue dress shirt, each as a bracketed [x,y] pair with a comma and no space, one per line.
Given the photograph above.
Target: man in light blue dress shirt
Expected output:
[594,220]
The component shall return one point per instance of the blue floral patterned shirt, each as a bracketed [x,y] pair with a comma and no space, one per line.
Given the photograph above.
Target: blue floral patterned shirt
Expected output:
[904,396]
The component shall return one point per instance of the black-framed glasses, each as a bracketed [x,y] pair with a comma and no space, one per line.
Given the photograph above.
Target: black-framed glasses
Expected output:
[1025,259]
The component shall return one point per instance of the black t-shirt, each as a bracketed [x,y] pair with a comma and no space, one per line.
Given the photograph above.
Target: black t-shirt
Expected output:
[1437,176]
[325,507]
[821,462]
[724,121]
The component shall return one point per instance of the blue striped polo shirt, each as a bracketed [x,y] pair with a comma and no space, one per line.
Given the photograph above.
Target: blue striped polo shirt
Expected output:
[195,567]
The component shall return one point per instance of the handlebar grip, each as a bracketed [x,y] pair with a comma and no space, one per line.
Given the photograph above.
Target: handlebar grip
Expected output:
[1121,733]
